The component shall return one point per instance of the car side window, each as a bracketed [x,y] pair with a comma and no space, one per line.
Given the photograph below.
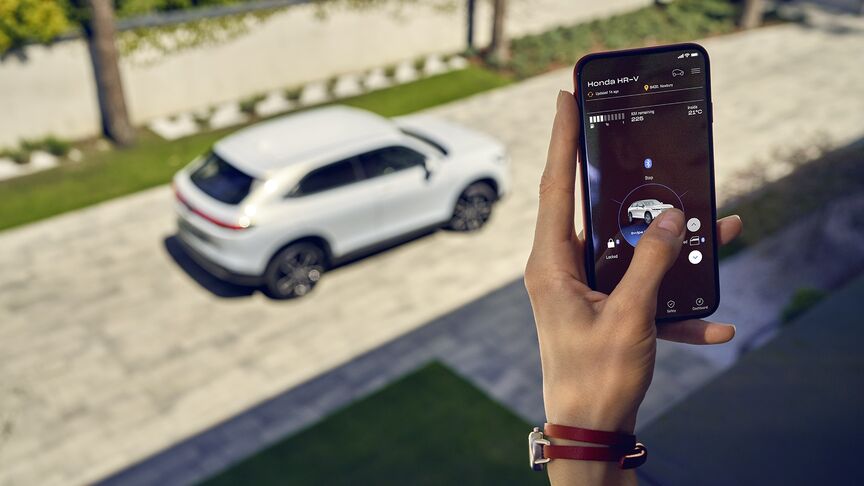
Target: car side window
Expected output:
[329,177]
[390,159]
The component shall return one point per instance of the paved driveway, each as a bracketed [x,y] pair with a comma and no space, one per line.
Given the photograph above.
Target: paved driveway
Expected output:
[109,351]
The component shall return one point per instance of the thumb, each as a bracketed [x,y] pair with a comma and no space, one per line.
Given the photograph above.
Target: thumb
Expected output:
[655,253]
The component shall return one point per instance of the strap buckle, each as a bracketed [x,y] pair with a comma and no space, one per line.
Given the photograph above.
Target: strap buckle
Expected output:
[635,458]
[536,441]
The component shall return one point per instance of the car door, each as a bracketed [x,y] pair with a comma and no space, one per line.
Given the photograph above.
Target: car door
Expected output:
[335,202]
[407,199]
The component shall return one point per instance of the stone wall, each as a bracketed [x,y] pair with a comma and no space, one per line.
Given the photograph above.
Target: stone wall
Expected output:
[50,90]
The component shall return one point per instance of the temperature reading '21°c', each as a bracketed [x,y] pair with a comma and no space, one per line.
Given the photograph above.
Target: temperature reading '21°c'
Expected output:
[693,110]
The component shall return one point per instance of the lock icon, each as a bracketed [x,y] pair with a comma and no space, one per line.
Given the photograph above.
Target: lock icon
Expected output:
[610,243]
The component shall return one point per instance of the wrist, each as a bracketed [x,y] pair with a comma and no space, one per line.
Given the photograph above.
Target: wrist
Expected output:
[590,415]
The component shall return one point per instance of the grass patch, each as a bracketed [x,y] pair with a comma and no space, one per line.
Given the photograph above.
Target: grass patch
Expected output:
[802,301]
[679,21]
[429,428]
[152,161]
[429,92]
[812,185]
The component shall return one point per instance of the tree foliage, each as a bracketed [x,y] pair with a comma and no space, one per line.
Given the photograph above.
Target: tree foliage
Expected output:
[23,21]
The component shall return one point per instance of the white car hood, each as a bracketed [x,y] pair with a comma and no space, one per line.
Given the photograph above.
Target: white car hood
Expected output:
[455,138]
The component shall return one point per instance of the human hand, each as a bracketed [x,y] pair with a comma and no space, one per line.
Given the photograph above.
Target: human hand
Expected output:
[597,350]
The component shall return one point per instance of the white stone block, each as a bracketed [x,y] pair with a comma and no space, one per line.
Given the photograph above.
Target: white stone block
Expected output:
[314,93]
[9,169]
[457,62]
[347,85]
[171,129]
[75,155]
[405,72]
[40,160]
[376,79]
[274,103]
[434,65]
[227,115]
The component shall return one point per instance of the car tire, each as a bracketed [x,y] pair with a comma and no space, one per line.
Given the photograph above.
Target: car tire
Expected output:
[294,271]
[473,208]
[648,217]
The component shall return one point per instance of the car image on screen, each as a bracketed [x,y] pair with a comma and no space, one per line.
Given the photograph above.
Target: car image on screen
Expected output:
[646,209]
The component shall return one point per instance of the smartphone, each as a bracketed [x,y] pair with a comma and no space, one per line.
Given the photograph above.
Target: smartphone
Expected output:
[646,146]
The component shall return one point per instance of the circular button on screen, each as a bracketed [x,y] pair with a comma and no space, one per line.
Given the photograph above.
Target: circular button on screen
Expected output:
[695,257]
[693,224]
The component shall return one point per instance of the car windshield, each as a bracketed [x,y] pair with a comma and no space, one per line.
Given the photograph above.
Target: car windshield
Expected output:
[221,180]
[652,201]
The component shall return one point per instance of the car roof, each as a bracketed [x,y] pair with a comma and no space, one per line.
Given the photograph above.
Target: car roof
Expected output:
[288,140]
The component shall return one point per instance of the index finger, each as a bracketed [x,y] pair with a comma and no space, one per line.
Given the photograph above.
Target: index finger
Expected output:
[558,183]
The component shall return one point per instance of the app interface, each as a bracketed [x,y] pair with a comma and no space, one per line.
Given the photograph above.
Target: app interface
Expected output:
[647,132]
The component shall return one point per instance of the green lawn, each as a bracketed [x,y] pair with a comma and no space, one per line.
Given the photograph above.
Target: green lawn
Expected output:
[429,428]
[109,174]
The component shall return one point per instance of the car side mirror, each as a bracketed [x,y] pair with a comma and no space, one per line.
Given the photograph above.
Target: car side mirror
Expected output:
[430,166]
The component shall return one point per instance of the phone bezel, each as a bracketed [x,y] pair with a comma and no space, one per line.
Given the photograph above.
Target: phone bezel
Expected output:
[590,270]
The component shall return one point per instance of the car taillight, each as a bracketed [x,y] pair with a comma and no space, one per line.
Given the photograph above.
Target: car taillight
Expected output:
[245,223]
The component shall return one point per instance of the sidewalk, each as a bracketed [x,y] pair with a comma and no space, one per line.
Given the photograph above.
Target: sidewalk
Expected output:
[789,413]
[110,353]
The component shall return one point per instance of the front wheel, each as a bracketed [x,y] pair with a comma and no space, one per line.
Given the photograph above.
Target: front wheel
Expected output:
[473,208]
[648,217]
[294,271]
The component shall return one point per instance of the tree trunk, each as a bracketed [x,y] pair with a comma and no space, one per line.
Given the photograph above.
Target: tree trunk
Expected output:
[499,49]
[100,31]
[752,15]
[469,10]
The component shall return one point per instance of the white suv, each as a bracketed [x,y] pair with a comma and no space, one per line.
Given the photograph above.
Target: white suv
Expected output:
[646,209]
[279,202]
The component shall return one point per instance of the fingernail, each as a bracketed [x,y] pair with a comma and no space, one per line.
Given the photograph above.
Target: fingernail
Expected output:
[561,95]
[672,221]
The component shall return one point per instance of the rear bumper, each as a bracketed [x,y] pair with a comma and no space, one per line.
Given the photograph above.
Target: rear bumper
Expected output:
[218,270]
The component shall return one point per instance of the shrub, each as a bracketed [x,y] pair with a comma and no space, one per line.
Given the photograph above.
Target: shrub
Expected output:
[50,144]
[55,146]
[19,156]
[248,105]
[419,63]
[293,94]
[679,21]
[202,118]
[330,84]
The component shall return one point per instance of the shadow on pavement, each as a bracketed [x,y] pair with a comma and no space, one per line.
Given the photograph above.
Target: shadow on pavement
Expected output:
[220,288]
[217,287]
[791,412]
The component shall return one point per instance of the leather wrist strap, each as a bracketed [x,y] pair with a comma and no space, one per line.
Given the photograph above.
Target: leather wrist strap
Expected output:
[626,459]
[611,439]
[620,448]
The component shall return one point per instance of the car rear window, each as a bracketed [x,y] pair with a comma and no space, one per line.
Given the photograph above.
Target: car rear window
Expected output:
[221,180]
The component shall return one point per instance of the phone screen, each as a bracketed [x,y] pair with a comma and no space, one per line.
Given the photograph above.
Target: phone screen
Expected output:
[647,148]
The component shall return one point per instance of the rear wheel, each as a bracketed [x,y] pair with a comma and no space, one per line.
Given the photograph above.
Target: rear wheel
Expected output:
[648,217]
[473,208]
[295,270]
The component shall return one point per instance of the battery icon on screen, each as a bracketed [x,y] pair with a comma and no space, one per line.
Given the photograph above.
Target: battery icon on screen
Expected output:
[694,54]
